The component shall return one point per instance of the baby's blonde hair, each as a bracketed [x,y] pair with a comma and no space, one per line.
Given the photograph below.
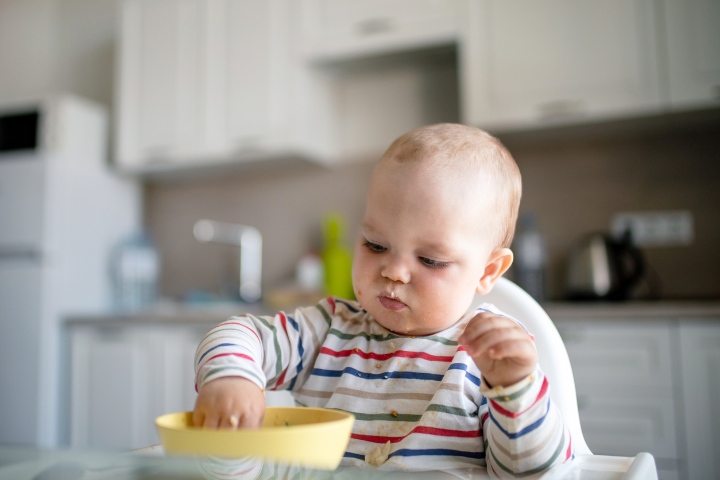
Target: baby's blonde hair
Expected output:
[461,150]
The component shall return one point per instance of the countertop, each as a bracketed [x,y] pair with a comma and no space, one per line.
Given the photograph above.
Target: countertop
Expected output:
[685,309]
[177,313]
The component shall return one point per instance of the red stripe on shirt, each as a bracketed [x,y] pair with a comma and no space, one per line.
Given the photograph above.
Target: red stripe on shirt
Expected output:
[240,355]
[386,356]
[283,321]
[331,301]
[440,432]
[242,325]
[507,413]
[568,454]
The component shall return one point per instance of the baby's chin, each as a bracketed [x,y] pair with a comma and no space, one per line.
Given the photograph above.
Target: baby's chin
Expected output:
[406,327]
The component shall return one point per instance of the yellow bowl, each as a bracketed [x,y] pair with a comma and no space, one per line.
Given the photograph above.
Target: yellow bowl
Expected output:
[312,437]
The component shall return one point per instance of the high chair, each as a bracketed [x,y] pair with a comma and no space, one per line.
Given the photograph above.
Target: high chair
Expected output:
[555,363]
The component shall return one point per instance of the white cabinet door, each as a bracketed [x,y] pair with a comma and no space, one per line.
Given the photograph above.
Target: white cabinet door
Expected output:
[112,389]
[700,367]
[626,391]
[21,297]
[247,64]
[201,82]
[693,40]
[342,29]
[22,197]
[124,376]
[526,64]
[160,81]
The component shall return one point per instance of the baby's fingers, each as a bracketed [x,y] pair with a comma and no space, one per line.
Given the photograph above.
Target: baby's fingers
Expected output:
[516,349]
[485,344]
[211,420]
[483,324]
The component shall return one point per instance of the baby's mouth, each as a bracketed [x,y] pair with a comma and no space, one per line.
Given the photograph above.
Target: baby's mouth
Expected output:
[390,302]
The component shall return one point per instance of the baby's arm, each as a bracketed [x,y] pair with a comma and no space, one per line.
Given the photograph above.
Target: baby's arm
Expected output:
[229,402]
[501,348]
[239,358]
[523,428]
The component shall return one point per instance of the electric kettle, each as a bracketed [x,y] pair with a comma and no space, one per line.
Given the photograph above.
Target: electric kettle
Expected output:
[601,267]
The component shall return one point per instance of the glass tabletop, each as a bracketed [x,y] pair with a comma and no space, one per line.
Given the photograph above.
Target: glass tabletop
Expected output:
[31,464]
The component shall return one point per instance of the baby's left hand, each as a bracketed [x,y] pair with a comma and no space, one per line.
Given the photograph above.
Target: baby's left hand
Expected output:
[502,349]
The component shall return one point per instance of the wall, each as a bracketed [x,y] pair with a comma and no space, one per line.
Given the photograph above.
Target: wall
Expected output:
[574,183]
[57,45]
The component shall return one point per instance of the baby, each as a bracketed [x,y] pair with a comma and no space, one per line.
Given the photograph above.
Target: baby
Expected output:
[432,385]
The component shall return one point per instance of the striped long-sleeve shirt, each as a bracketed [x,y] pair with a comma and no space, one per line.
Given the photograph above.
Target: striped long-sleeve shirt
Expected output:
[420,400]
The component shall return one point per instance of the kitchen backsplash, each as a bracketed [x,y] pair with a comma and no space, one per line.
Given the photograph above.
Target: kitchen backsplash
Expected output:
[574,184]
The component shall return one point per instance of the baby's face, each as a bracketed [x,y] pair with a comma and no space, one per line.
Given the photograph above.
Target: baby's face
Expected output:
[421,250]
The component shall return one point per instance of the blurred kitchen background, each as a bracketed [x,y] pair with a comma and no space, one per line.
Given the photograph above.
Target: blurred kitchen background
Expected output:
[270,114]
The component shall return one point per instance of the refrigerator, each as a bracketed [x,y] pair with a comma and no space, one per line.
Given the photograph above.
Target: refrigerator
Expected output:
[62,211]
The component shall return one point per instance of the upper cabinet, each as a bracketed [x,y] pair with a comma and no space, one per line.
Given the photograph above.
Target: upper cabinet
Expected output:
[527,65]
[208,82]
[343,29]
[204,83]
[557,61]
[693,52]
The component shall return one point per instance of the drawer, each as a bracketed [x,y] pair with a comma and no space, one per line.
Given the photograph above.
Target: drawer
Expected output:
[624,425]
[619,354]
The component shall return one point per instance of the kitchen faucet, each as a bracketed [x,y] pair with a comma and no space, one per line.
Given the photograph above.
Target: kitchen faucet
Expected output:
[250,242]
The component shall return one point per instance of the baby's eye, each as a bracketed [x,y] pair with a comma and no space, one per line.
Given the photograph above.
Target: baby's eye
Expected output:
[374,247]
[429,262]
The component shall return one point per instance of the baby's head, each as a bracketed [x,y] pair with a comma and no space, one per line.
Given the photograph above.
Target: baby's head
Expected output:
[440,215]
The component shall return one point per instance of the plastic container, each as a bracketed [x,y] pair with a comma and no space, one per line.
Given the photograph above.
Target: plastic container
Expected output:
[337,259]
[135,270]
[530,257]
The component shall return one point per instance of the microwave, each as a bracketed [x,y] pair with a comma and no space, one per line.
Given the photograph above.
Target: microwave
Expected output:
[59,124]
[19,130]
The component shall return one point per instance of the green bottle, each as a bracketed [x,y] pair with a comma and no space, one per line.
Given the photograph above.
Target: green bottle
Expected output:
[337,259]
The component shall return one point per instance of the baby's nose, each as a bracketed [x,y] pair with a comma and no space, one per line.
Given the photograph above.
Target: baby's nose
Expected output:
[396,269]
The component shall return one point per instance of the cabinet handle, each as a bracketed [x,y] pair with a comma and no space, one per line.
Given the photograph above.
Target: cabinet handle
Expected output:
[156,154]
[561,108]
[247,144]
[373,26]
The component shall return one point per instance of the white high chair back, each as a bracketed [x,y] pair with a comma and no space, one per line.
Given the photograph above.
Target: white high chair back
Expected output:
[552,355]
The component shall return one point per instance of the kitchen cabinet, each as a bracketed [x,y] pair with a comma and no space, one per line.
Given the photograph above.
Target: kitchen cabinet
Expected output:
[693,52]
[647,381]
[624,378]
[525,65]
[333,30]
[700,364]
[124,376]
[205,83]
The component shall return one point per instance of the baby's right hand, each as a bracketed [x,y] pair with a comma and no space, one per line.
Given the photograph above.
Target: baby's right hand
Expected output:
[229,402]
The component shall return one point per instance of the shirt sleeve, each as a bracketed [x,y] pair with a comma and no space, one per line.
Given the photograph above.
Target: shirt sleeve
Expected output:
[274,352]
[523,429]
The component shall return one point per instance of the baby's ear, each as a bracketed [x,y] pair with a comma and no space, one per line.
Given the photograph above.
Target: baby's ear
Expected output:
[498,263]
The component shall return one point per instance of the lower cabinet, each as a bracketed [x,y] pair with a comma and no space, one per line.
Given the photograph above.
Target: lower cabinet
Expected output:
[647,385]
[124,376]
[643,385]
[700,379]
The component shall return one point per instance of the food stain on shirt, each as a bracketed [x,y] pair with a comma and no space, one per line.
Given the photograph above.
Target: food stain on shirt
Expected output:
[378,455]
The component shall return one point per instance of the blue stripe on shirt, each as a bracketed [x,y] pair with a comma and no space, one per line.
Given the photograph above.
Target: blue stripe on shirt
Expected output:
[376,376]
[470,376]
[216,346]
[349,306]
[525,430]
[406,452]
